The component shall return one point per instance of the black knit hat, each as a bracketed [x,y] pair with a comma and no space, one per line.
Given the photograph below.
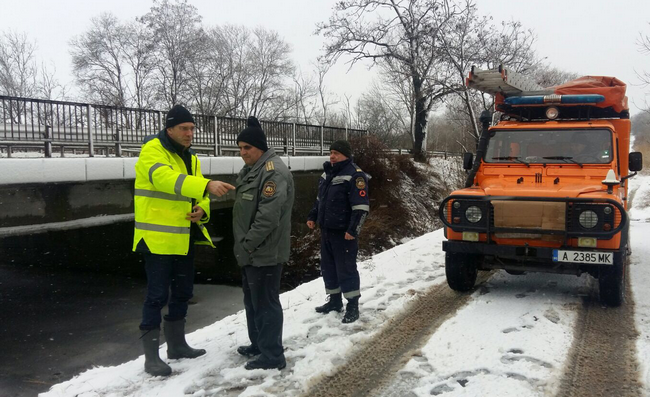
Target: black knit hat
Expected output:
[253,134]
[177,115]
[342,147]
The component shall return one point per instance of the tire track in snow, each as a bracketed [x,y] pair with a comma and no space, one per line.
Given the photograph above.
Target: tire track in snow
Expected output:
[393,346]
[602,360]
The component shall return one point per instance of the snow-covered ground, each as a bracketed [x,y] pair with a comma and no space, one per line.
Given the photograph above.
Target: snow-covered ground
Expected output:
[640,272]
[511,339]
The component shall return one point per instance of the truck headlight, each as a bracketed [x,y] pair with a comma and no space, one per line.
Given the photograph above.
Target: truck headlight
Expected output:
[473,214]
[588,219]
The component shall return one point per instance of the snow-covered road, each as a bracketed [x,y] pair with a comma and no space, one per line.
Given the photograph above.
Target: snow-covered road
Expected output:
[512,338]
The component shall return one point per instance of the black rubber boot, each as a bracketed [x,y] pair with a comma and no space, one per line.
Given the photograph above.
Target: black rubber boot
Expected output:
[264,363]
[153,365]
[351,311]
[177,347]
[249,351]
[335,303]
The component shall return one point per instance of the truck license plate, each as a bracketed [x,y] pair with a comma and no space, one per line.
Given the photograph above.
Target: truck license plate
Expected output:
[597,258]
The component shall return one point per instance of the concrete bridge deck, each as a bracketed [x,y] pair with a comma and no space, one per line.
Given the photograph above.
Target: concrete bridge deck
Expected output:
[19,171]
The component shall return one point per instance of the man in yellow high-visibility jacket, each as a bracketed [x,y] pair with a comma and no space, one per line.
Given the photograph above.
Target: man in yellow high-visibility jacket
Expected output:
[172,205]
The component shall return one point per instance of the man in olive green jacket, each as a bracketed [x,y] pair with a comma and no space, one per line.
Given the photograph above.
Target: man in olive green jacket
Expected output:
[262,231]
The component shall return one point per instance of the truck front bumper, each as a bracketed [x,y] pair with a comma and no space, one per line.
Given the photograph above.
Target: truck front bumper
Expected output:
[524,255]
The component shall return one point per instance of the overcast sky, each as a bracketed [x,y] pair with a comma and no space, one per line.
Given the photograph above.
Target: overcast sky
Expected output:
[596,37]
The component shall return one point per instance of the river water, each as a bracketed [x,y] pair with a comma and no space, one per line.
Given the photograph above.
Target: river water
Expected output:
[57,322]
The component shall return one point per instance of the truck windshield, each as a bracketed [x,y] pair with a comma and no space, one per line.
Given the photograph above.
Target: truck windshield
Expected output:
[577,146]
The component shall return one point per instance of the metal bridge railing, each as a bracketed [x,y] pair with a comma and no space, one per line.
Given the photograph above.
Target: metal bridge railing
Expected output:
[41,125]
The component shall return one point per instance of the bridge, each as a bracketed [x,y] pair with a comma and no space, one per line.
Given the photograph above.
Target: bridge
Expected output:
[73,208]
[40,195]
[78,212]
[80,209]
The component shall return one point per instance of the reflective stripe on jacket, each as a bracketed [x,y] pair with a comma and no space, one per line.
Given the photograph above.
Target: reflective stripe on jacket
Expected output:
[164,194]
[262,212]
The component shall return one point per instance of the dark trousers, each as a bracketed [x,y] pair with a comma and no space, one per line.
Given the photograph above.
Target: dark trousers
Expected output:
[165,273]
[263,309]
[338,263]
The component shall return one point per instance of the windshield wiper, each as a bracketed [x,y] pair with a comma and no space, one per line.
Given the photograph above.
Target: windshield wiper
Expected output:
[565,158]
[512,158]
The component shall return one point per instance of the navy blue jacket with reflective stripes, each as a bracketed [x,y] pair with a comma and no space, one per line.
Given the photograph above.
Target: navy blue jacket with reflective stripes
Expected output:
[342,202]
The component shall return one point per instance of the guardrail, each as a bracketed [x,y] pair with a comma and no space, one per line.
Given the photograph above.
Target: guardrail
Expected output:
[44,125]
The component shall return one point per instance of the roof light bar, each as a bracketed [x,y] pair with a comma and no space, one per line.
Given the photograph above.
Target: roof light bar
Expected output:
[544,99]
[587,98]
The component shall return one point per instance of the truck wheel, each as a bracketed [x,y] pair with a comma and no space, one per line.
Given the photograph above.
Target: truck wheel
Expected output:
[611,283]
[461,270]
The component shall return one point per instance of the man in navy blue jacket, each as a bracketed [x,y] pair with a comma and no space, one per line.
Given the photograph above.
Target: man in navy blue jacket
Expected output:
[340,210]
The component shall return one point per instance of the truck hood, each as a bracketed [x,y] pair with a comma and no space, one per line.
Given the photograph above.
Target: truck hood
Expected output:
[543,182]
[497,189]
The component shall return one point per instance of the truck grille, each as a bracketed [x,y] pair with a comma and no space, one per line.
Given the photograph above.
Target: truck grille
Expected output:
[542,215]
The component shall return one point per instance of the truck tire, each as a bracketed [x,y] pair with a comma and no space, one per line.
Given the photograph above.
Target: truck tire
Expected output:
[461,270]
[611,283]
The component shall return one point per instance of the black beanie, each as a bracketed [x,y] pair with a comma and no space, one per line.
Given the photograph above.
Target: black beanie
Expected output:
[342,147]
[177,115]
[253,134]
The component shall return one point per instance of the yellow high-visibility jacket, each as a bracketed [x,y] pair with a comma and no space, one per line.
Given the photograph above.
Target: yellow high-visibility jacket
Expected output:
[165,191]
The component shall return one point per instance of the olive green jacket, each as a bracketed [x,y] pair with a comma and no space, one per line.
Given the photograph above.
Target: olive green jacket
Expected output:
[262,212]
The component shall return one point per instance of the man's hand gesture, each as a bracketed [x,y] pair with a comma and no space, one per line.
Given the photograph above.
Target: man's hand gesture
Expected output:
[219,188]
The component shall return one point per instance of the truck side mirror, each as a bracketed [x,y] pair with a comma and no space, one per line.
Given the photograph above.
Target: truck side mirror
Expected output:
[468,160]
[636,161]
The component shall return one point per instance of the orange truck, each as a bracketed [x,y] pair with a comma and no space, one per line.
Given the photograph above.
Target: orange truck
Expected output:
[547,190]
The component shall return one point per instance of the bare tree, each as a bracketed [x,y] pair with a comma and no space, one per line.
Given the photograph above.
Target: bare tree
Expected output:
[643,43]
[471,40]
[382,116]
[271,68]
[456,127]
[113,63]
[18,71]
[234,41]
[304,97]
[548,76]
[254,72]
[178,35]
[310,100]
[210,74]
[326,101]
[464,46]
[139,55]
[21,77]
[350,121]
[49,86]
[511,45]
[98,61]
[404,34]
[641,134]
[451,129]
